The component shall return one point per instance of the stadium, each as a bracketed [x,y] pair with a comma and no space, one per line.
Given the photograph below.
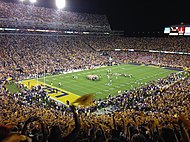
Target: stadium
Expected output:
[68,77]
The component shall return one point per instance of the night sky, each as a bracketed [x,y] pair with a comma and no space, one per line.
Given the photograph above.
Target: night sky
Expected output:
[131,15]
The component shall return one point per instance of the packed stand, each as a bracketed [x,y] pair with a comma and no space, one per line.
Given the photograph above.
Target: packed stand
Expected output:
[175,44]
[155,112]
[32,53]
[19,15]
[149,113]
[24,54]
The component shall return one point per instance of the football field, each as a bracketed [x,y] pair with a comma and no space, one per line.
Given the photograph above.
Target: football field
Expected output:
[112,79]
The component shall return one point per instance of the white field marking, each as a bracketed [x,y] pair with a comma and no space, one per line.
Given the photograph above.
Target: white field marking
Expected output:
[100,68]
[98,92]
[105,70]
[87,88]
[72,87]
[111,89]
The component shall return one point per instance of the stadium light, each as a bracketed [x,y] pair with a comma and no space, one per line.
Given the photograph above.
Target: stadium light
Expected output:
[33,1]
[60,4]
[21,1]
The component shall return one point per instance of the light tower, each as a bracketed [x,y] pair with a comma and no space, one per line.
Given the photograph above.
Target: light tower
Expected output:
[60,4]
[33,1]
[21,1]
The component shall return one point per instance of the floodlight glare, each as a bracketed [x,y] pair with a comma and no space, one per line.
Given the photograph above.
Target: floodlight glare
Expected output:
[22,0]
[60,4]
[32,1]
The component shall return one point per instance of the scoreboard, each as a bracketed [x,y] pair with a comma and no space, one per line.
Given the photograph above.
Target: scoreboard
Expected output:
[177,30]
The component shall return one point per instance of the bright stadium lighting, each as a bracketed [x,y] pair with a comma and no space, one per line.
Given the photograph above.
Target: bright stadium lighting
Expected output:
[60,4]
[33,1]
[22,1]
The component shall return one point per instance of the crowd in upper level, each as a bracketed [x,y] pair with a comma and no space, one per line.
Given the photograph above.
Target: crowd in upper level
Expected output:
[155,112]
[19,15]
[177,44]
[29,53]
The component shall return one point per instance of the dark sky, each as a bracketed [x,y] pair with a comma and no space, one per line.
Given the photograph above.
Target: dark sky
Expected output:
[131,15]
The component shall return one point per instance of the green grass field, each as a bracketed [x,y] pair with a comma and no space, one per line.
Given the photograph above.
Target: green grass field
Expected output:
[12,87]
[81,86]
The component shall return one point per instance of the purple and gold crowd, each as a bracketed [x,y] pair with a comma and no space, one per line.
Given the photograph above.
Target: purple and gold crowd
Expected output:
[19,15]
[61,53]
[152,112]
[155,112]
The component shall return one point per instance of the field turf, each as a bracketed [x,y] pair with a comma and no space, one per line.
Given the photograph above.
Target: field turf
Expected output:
[80,85]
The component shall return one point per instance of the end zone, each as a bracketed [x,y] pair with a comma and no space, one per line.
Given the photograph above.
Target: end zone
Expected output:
[55,93]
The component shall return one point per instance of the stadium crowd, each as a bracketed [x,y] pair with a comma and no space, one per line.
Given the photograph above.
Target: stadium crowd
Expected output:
[149,113]
[25,54]
[155,112]
[177,44]
[20,15]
